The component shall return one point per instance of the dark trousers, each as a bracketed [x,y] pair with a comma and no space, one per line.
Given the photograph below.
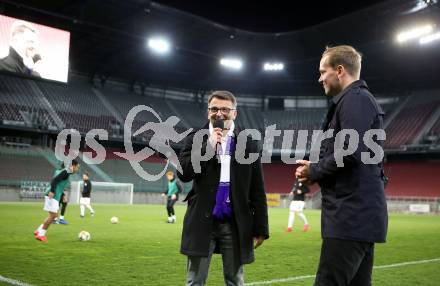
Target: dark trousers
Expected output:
[221,238]
[170,206]
[345,263]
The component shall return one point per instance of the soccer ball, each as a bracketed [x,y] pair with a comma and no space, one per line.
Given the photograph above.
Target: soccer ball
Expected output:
[84,235]
[114,219]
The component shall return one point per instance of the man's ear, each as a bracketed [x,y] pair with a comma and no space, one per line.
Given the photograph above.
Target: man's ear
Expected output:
[340,69]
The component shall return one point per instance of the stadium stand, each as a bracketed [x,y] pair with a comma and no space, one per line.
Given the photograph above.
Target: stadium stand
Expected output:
[413,179]
[23,164]
[77,106]
[26,102]
[21,105]
[298,119]
[406,125]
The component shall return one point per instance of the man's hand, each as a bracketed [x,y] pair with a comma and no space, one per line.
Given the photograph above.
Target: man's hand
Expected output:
[215,137]
[258,241]
[303,172]
[173,197]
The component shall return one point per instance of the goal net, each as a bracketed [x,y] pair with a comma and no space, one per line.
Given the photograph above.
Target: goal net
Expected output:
[103,192]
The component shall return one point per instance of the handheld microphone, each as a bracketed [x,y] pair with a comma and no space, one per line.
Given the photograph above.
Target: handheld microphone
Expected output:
[36,58]
[218,123]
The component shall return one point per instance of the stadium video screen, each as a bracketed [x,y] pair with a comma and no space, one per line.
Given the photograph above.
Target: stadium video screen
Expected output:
[32,49]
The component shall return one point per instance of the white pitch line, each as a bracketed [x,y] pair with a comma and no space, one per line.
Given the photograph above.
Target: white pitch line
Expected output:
[289,279]
[282,280]
[406,263]
[13,282]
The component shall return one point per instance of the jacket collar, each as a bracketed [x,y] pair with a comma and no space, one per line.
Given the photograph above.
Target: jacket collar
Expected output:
[355,84]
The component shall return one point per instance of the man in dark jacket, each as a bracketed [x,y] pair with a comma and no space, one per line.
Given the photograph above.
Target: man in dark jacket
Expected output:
[227,208]
[23,54]
[354,211]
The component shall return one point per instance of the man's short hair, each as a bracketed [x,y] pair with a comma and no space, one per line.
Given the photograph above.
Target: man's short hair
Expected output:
[346,56]
[223,95]
[87,174]
[20,26]
[74,162]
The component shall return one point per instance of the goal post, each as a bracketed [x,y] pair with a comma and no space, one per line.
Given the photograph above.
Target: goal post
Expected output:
[103,192]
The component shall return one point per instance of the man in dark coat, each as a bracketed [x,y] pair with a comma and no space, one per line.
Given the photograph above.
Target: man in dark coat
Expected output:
[354,211]
[23,55]
[227,208]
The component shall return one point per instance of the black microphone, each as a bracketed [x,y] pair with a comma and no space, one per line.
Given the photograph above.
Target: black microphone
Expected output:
[36,58]
[218,123]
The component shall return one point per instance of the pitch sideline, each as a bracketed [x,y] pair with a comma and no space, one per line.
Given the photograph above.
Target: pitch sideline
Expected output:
[289,279]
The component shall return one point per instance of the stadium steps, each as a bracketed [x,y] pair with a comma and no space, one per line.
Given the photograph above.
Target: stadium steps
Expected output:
[389,119]
[96,169]
[49,156]
[109,106]
[178,114]
[242,117]
[428,126]
[46,104]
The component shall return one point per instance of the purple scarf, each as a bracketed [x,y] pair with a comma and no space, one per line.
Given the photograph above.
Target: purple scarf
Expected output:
[222,209]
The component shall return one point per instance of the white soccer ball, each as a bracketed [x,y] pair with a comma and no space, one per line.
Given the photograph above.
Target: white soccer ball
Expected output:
[114,219]
[84,235]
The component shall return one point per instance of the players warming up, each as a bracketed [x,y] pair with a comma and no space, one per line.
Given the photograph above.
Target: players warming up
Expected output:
[53,196]
[297,205]
[172,193]
[85,196]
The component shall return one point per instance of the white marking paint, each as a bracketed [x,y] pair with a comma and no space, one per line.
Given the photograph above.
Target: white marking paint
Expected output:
[13,282]
[289,279]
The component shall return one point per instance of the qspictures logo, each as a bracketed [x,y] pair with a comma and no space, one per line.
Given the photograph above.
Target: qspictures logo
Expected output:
[346,143]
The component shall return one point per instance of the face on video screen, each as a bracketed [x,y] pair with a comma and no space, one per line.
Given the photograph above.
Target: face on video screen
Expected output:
[32,49]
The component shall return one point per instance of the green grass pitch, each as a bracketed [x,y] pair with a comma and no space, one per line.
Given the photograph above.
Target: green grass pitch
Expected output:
[144,250]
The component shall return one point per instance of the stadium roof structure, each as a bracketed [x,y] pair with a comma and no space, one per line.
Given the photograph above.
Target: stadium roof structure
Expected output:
[109,40]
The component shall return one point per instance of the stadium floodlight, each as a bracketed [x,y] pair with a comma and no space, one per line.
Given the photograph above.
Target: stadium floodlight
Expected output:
[232,63]
[414,33]
[430,38]
[273,66]
[159,45]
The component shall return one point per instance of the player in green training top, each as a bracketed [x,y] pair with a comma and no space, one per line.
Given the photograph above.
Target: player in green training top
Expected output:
[52,197]
[173,189]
